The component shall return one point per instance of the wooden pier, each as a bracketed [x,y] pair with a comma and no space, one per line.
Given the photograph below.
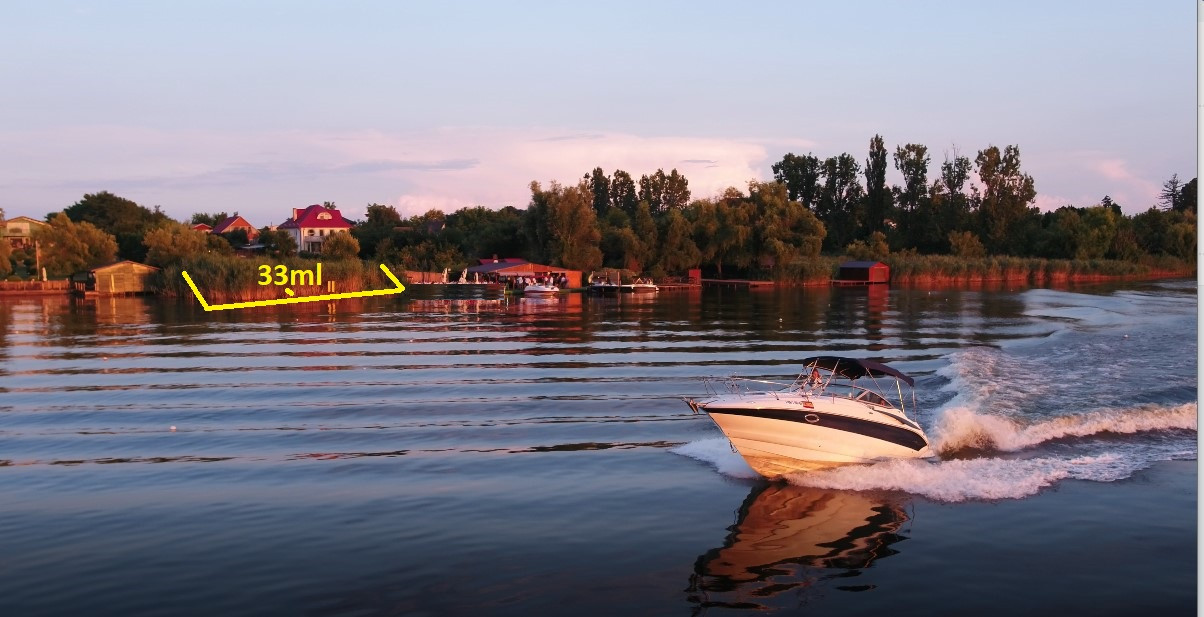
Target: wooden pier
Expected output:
[737,283]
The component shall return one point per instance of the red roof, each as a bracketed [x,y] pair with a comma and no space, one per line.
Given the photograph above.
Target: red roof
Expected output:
[232,223]
[202,227]
[316,216]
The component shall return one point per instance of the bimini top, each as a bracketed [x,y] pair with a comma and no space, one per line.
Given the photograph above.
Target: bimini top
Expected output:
[852,368]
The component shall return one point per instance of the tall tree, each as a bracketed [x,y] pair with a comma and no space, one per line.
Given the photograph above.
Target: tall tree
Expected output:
[652,190]
[801,176]
[1187,197]
[1007,193]
[676,192]
[839,199]
[562,228]
[623,192]
[877,195]
[912,161]
[1171,194]
[599,184]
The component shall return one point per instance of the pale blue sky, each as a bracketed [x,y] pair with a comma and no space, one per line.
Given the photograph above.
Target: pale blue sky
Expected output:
[260,107]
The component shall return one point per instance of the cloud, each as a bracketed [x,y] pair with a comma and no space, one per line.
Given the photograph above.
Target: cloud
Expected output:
[268,173]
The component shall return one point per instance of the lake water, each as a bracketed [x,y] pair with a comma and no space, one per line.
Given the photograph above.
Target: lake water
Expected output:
[514,457]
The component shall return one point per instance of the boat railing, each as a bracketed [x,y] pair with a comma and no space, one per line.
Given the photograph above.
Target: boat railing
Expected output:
[740,385]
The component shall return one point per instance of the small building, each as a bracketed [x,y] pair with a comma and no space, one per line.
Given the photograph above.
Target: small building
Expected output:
[18,231]
[862,273]
[202,227]
[507,269]
[311,226]
[232,223]
[121,278]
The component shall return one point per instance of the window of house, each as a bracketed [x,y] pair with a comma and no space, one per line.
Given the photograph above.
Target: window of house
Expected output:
[311,232]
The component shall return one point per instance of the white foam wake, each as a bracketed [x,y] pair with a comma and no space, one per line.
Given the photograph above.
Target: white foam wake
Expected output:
[960,428]
[717,452]
[974,479]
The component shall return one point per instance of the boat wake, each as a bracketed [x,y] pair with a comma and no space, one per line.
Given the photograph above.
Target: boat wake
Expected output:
[718,453]
[961,429]
[985,478]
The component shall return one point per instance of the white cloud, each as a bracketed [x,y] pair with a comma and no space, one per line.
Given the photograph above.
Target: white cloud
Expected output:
[263,174]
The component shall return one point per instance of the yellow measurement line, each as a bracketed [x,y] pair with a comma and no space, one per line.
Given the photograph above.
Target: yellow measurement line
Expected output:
[340,296]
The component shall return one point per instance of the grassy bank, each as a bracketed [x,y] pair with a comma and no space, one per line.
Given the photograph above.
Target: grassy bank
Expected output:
[915,269]
[235,279]
[948,269]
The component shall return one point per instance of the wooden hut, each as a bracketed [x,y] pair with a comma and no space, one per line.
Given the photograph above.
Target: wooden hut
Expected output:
[121,278]
[863,273]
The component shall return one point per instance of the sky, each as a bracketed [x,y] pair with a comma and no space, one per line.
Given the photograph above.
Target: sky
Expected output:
[262,106]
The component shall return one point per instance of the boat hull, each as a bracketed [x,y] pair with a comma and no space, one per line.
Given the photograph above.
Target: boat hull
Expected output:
[776,441]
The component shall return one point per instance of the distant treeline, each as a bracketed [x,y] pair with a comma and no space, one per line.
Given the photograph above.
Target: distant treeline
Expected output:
[947,226]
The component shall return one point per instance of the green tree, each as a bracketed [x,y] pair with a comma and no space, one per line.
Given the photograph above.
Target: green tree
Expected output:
[618,240]
[211,220]
[1007,193]
[380,224]
[873,248]
[878,199]
[340,246]
[480,232]
[1095,236]
[912,161]
[643,252]
[125,220]
[652,190]
[172,243]
[677,249]
[6,251]
[277,243]
[1181,238]
[1171,194]
[561,226]
[1187,196]
[839,199]
[966,244]
[784,232]
[236,238]
[676,192]
[623,193]
[801,176]
[599,184]
[68,247]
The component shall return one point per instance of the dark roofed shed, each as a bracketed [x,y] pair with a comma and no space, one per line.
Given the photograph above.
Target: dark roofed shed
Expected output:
[863,272]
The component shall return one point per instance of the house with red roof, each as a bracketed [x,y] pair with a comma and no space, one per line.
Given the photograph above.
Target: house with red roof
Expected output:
[202,227]
[311,226]
[231,223]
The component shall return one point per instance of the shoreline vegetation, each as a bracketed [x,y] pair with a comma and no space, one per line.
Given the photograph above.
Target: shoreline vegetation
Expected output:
[235,279]
[974,222]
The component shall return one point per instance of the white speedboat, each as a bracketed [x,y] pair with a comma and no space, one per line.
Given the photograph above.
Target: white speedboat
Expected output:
[641,287]
[839,411]
[540,290]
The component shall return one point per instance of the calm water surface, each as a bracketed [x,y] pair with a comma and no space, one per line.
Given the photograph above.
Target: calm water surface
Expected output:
[517,457]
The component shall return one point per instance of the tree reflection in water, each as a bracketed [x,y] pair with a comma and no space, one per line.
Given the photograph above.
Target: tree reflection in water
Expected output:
[789,538]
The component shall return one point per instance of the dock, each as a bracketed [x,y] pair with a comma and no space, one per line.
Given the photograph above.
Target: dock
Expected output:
[737,283]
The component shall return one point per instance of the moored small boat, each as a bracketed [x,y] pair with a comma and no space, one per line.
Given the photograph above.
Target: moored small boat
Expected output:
[538,289]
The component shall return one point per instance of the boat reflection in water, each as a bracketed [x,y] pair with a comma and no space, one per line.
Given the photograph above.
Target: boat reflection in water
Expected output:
[789,539]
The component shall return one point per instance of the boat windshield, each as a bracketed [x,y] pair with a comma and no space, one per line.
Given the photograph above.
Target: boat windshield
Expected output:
[855,392]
